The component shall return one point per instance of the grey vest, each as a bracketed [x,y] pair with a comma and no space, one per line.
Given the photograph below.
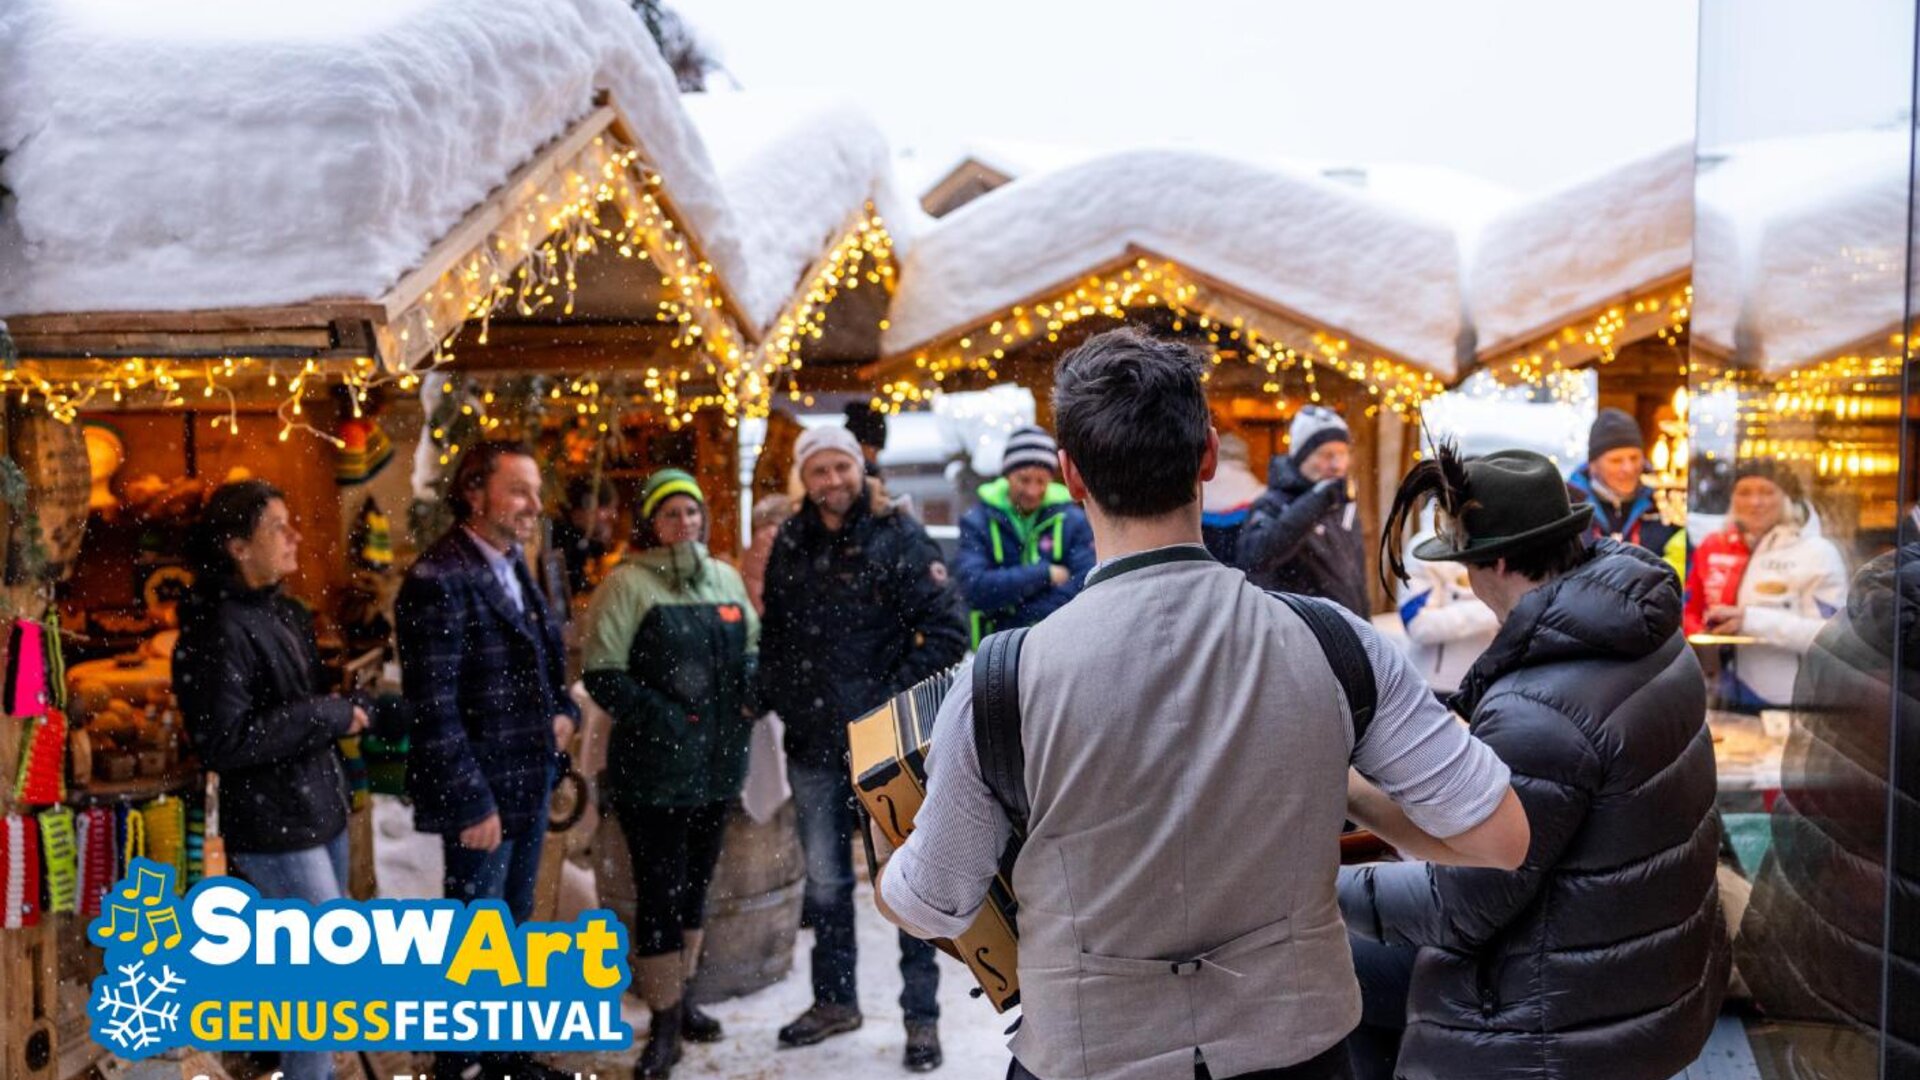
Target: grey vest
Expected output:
[1187,748]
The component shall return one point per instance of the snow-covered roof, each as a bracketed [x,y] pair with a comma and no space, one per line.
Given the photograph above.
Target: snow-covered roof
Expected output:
[1803,245]
[794,172]
[1310,247]
[1556,257]
[224,153]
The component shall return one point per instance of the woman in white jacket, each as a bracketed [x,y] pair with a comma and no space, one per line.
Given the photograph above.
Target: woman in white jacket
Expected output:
[1448,627]
[1793,583]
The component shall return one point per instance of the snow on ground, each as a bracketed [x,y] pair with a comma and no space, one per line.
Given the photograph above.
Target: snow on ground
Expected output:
[1809,234]
[407,864]
[1582,246]
[182,154]
[794,172]
[1308,245]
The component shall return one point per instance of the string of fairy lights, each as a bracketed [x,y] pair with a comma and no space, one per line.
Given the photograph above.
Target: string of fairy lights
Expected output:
[1600,336]
[1147,285]
[604,203]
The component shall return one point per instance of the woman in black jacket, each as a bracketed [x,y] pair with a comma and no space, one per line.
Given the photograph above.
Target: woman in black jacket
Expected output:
[248,677]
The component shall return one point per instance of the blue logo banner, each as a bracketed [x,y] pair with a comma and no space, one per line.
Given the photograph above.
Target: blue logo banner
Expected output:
[225,969]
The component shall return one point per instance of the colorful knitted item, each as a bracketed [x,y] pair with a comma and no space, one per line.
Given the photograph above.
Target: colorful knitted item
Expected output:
[196,846]
[61,858]
[19,872]
[133,830]
[42,780]
[355,760]
[165,822]
[96,843]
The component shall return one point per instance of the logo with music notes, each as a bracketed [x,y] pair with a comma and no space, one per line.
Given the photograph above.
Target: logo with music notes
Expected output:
[143,908]
[225,968]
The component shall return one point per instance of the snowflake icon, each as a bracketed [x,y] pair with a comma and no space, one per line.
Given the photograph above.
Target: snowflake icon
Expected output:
[136,1021]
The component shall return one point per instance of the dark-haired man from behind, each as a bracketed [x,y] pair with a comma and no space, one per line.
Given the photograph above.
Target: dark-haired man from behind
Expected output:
[1187,757]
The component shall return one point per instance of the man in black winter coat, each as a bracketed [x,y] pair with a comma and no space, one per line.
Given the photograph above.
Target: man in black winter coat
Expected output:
[1303,536]
[1605,954]
[858,608]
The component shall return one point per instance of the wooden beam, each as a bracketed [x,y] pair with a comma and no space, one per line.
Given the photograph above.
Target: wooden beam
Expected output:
[1218,298]
[1639,325]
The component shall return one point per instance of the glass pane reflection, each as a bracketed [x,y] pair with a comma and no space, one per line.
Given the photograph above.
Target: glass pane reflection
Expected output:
[1801,589]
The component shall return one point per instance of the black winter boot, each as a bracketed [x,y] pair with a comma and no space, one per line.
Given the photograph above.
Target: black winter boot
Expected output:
[696,1025]
[663,1045]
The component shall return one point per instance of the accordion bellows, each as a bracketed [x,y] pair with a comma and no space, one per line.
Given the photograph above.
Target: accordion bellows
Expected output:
[889,761]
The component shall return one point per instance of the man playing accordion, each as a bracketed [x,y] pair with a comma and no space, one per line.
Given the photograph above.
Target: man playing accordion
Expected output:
[1184,745]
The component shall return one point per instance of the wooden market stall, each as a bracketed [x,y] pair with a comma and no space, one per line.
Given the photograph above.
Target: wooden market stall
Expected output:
[1597,275]
[576,281]
[1278,276]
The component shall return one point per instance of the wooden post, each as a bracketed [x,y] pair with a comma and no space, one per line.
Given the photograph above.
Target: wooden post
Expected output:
[30,1003]
[717,470]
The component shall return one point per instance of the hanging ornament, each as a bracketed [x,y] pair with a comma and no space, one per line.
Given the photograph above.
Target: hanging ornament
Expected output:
[19,872]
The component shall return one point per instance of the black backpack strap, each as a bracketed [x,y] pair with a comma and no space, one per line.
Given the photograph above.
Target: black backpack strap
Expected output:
[1345,653]
[996,724]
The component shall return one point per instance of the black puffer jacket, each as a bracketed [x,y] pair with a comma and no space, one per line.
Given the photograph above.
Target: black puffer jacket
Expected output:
[1810,943]
[252,693]
[1605,954]
[852,617]
[1304,538]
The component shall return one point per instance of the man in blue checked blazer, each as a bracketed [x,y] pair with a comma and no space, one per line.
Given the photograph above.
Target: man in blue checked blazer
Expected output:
[482,664]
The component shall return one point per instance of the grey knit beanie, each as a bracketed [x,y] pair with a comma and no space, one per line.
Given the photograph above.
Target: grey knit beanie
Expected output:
[1313,427]
[1613,429]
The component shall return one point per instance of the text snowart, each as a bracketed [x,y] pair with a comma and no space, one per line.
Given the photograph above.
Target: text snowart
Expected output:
[225,969]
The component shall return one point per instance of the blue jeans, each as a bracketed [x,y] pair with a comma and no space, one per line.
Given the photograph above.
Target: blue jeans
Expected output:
[1386,975]
[823,798]
[316,875]
[508,872]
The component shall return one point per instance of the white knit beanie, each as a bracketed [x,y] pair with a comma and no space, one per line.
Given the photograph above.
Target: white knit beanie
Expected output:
[1313,427]
[825,437]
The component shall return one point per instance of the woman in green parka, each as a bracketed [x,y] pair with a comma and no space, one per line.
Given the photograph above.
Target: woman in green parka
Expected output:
[669,647]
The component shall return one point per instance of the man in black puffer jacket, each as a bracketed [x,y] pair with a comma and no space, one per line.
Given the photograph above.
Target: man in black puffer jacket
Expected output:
[1303,536]
[1810,945]
[1605,954]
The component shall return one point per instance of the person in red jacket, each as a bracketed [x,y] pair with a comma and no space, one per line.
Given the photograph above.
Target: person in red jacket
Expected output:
[1714,579]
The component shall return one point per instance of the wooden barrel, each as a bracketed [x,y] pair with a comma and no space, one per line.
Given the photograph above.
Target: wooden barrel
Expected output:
[753,906]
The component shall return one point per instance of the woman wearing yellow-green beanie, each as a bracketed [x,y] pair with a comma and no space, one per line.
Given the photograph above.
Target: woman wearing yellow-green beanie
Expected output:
[670,644]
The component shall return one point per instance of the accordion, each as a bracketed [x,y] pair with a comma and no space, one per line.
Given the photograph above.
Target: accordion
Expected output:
[889,751]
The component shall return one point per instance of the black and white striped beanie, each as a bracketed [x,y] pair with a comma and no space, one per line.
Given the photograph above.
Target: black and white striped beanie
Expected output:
[1029,445]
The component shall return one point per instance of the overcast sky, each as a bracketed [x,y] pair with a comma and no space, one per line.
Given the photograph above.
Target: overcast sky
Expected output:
[1523,93]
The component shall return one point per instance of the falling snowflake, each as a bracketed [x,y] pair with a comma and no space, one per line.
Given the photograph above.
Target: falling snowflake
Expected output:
[136,1022]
